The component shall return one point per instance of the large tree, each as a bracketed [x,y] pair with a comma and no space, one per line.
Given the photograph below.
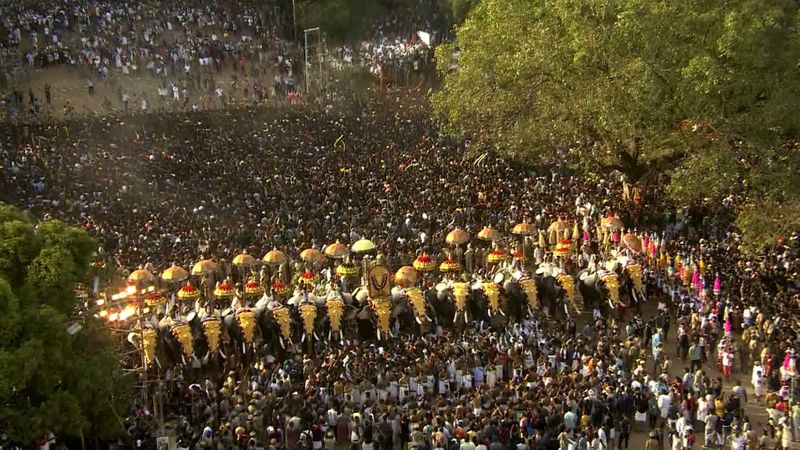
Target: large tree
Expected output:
[53,378]
[639,86]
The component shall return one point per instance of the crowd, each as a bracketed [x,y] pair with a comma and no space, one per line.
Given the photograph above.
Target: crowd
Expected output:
[164,188]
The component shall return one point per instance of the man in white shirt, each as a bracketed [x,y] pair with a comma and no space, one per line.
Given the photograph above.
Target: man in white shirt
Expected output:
[664,403]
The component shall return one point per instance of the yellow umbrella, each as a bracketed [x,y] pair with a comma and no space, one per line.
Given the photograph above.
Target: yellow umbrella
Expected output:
[611,222]
[140,276]
[558,225]
[275,256]
[175,274]
[457,237]
[244,260]
[496,256]
[633,242]
[450,265]
[405,276]
[363,246]
[336,250]
[489,234]
[522,229]
[204,267]
[312,255]
[347,269]
[424,263]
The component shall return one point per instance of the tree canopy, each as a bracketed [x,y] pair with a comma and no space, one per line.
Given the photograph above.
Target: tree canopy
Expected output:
[52,381]
[707,88]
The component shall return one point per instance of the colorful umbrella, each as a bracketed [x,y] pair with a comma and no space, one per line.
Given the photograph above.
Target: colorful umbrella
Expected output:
[496,256]
[204,267]
[450,265]
[405,276]
[312,255]
[253,289]
[188,293]
[522,229]
[611,222]
[457,237]
[244,260]
[363,246]
[336,250]
[224,291]
[347,269]
[140,276]
[558,225]
[175,274]
[489,234]
[275,257]
[633,242]
[424,263]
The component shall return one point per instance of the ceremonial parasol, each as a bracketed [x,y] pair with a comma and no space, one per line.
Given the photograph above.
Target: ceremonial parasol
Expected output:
[611,222]
[312,255]
[253,289]
[275,257]
[154,299]
[457,237]
[188,292]
[204,267]
[405,276]
[489,234]
[336,250]
[142,276]
[175,274]
[244,260]
[279,288]
[308,278]
[347,269]
[363,246]
[522,229]
[563,248]
[424,263]
[450,265]
[518,256]
[633,242]
[224,291]
[496,256]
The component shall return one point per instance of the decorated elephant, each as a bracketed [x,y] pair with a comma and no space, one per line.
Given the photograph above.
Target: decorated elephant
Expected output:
[603,290]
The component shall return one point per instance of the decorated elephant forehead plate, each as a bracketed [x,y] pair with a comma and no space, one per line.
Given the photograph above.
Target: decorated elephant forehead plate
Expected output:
[378,282]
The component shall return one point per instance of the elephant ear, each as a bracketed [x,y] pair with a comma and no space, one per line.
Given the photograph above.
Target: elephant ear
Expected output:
[351,314]
[364,313]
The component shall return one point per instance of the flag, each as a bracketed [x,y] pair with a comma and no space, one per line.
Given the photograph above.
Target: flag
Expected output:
[424,37]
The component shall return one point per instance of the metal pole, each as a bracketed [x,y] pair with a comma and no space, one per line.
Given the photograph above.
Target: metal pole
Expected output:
[305,55]
[294,20]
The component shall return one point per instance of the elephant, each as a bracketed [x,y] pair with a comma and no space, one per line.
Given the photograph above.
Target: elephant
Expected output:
[599,293]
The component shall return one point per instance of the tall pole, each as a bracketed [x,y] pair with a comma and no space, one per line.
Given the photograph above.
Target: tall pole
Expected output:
[294,20]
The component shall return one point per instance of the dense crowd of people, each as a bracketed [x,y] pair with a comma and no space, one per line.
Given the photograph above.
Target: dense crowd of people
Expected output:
[167,188]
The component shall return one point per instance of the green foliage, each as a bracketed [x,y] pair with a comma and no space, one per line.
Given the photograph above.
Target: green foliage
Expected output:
[459,9]
[51,381]
[639,86]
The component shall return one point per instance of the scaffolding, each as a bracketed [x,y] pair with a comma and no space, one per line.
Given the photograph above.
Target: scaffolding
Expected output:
[314,52]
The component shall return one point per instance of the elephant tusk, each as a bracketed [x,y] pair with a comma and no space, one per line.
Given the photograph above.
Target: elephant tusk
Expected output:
[490,312]
[379,334]
[244,348]
[502,313]
[455,317]
[419,322]
[183,360]
[222,354]
[341,335]
[329,335]
[530,311]
[315,336]
[303,339]
[157,361]
[427,317]
[465,316]
[283,346]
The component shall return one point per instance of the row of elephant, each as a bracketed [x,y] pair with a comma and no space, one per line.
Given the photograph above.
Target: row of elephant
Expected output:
[326,314]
